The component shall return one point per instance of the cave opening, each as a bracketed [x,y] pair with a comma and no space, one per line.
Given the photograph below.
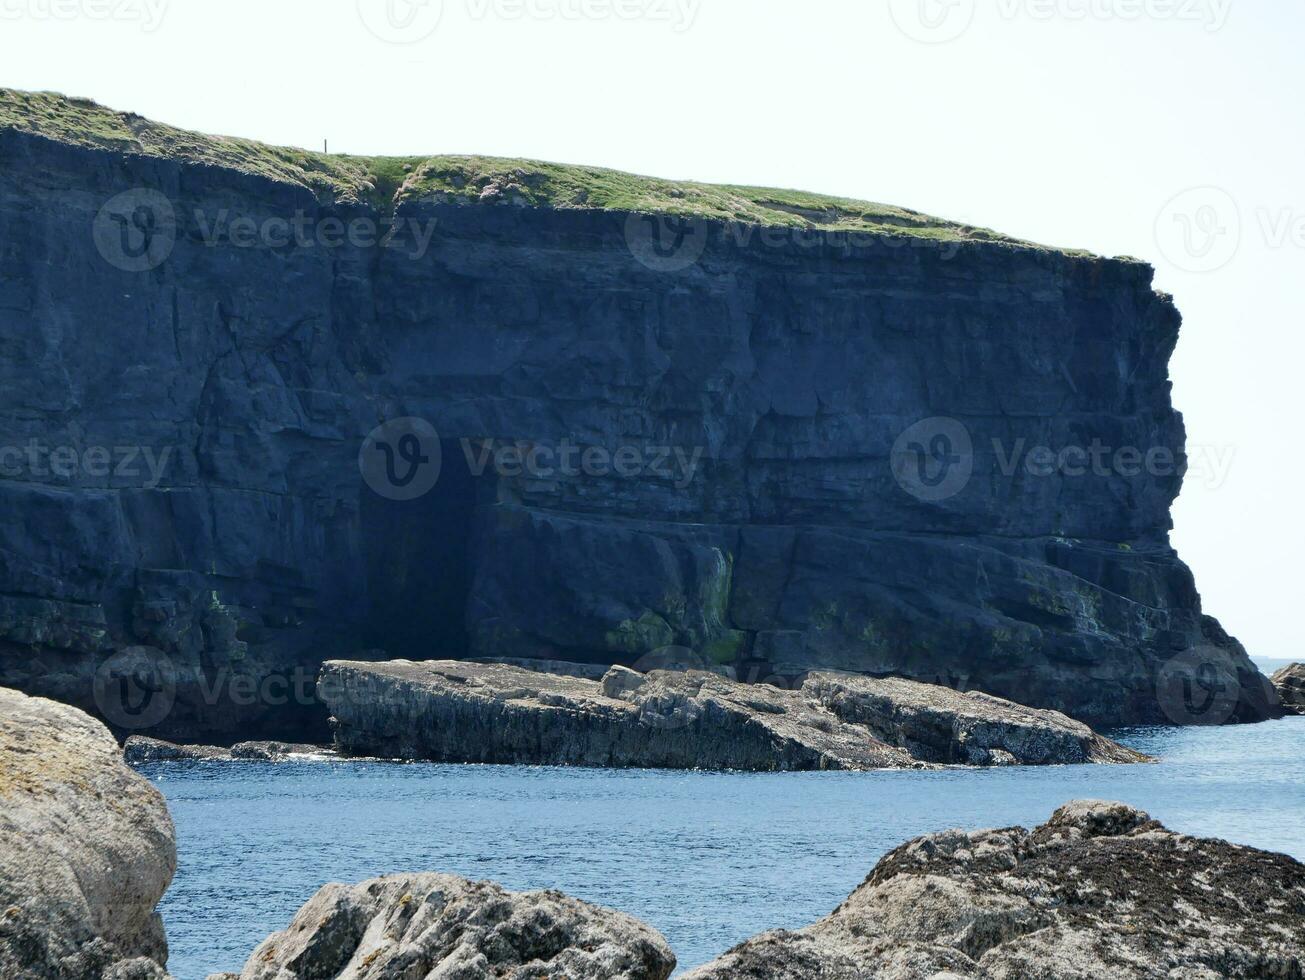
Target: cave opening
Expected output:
[419,557]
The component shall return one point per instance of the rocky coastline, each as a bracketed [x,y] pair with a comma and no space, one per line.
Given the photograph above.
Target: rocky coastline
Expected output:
[87,849]
[495,713]
[1290,685]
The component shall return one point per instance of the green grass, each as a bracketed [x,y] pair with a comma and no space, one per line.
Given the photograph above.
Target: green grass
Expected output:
[387,181]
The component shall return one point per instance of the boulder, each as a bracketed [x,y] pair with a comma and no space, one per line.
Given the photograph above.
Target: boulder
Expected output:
[438,926]
[87,850]
[1100,890]
[497,714]
[1290,685]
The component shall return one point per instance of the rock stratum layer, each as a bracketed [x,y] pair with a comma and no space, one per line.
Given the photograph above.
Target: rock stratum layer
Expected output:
[87,850]
[434,925]
[1100,890]
[819,445]
[461,712]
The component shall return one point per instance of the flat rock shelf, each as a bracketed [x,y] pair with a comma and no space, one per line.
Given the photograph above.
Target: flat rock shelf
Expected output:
[491,713]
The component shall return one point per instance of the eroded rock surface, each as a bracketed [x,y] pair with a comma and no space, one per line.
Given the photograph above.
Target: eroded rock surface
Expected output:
[1290,685]
[460,712]
[438,926]
[87,850]
[1100,890]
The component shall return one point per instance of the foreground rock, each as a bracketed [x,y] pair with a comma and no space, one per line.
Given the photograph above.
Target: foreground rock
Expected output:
[1290,685]
[480,713]
[1101,890]
[439,926]
[86,850]
[141,750]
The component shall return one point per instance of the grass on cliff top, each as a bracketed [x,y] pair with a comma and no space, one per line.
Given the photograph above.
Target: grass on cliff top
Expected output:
[387,181]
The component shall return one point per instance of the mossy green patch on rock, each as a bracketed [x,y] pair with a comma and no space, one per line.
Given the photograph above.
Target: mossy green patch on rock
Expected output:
[388,181]
[636,637]
[728,648]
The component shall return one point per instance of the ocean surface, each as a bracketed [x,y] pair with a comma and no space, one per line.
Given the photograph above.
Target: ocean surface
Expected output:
[709,859]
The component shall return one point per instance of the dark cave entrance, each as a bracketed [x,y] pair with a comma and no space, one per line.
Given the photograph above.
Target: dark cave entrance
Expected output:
[419,563]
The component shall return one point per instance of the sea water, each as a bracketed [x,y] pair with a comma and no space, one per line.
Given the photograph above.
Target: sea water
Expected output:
[707,858]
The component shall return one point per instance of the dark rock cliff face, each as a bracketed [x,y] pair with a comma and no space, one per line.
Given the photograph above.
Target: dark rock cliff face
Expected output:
[830,456]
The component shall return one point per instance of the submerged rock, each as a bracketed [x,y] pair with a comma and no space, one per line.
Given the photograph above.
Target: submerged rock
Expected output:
[460,712]
[87,850]
[433,925]
[1101,890]
[1290,685]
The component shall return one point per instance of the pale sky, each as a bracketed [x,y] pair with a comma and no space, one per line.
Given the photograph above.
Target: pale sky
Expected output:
[1071,122]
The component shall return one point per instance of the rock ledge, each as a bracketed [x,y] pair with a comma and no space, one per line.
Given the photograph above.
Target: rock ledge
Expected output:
[497,714]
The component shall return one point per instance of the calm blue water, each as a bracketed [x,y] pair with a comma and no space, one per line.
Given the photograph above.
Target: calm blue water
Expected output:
[709,859]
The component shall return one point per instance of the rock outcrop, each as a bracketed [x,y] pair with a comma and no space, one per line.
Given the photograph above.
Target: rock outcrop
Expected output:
[1100,890]
[141,750]
[462,712]
[433,925]
[857,438]
[1290,685]
[87,850]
